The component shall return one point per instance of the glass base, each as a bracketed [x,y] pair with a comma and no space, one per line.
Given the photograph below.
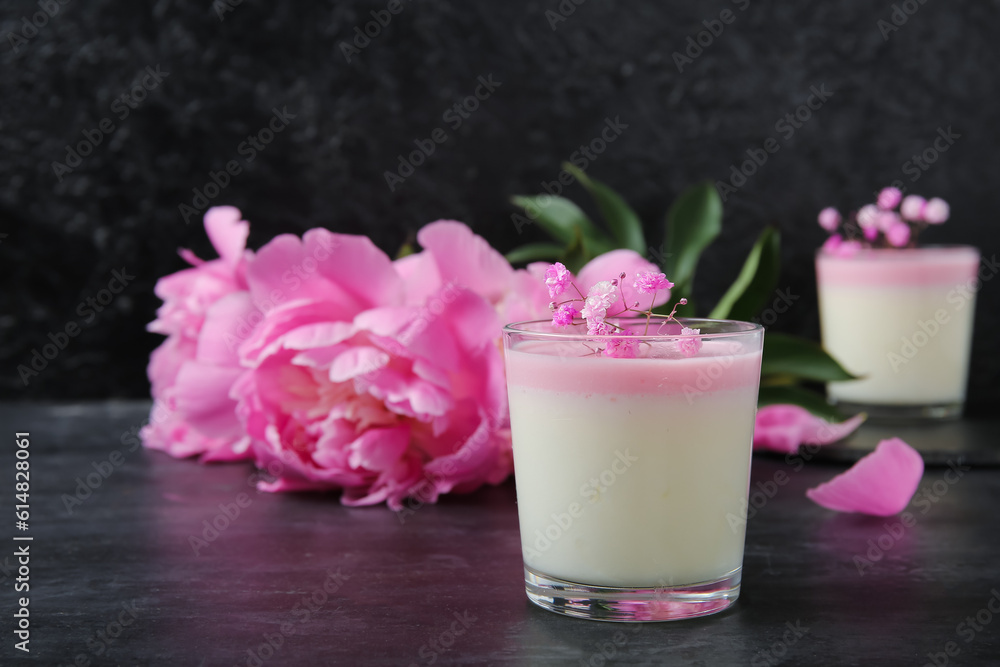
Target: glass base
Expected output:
[902,413]
[630,605]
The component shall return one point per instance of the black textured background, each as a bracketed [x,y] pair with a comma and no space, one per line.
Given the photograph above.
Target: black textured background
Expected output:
[228,69]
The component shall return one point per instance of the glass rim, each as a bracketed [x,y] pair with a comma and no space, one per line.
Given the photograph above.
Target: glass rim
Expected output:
[820,252]
[746,328]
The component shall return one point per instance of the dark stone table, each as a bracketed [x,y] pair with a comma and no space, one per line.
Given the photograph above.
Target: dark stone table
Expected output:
[300,580]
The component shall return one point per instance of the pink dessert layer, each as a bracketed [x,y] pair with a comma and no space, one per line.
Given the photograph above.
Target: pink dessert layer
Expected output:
[910,267]
[572,368]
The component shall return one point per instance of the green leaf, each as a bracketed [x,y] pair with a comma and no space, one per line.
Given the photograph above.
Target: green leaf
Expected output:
[755,282]
[796,395]
[693,222]
[564,221]
[533,252]
[622,220]
[791,355]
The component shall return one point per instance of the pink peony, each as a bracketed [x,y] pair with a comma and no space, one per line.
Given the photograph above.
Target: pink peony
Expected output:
[381,378]
[192,371]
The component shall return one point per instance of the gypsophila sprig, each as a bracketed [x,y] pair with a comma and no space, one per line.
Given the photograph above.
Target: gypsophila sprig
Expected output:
[599,301]
[880,225]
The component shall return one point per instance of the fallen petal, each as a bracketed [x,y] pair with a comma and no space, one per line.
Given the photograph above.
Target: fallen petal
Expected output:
[882,483]
[783,427]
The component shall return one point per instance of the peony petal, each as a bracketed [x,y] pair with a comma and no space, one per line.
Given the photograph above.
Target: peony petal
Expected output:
[379,448]
[355,361]
[609,266]
[783,427]
[420,276]
[466,259]
[202,398]
[228,232]
[227,324]
[881,483]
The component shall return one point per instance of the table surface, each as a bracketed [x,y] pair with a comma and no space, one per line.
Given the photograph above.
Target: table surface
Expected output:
[298,579]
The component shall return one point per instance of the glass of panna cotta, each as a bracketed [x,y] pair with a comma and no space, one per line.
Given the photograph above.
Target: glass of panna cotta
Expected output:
[633,472]
[901,320]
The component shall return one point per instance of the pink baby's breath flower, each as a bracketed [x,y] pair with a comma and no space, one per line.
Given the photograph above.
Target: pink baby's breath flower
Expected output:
[848,248]
[898,235]
[621,347]
[563,316]
[690,345]
[913,208]
[598,328]
[829,219]
[649,282]
[889,198]
[867,216]
[936,211]
[557,278]
[599,299]
[886,219]
[871,233]
[833,243]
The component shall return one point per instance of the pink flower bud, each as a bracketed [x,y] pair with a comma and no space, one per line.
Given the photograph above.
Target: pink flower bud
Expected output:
[936,211]
[913,208]
[871,233]
[867,215]
[829,219]
[683,302]
[889,198]
[886,219]
[898,235]
[848,248]
[833,243]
